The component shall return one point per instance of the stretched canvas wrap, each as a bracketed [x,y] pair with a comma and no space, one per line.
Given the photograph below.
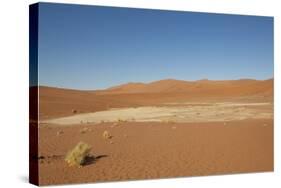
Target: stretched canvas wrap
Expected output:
[127,94]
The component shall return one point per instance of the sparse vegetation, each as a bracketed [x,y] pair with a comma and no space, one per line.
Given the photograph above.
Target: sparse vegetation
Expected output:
[106,135]
[59,133]
[84,130]
[77,156]
[121,120]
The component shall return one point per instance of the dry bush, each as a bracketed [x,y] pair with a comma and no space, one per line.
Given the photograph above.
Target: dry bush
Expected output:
[78,155]
[121,120]
[59,133]
[106,135]
[85,129]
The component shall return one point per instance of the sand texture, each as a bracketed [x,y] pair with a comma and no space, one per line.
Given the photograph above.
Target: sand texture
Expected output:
[162,129]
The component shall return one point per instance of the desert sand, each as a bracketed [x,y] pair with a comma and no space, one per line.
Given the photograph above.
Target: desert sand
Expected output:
[163,129]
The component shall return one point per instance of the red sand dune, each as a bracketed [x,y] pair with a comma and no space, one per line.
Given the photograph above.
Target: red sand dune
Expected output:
[57,102]
[231,87]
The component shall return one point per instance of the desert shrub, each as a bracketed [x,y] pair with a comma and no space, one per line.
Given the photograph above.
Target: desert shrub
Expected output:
[78,155]
[106,135]
[85,129]
[74,111]
[59,133]
[121,120]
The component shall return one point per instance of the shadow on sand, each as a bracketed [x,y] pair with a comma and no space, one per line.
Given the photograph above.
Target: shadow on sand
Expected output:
[93,159]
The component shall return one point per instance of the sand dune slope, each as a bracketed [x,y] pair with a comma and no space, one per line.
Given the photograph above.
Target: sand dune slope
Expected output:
[57,102]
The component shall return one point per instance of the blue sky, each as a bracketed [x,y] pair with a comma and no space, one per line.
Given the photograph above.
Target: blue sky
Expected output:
[92,47]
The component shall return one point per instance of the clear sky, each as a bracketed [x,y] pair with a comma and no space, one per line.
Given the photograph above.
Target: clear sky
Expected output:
[91,47]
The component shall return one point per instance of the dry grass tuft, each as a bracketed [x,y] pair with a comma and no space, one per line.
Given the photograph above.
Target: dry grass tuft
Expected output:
[106,135]
[78,155]
[85,129]
[121,120]
[59,133]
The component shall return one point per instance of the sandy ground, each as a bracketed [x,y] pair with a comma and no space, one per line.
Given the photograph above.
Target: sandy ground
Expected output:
[162,129]
[157,150]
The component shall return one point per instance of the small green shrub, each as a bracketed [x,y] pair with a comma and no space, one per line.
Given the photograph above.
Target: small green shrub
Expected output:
[77,156]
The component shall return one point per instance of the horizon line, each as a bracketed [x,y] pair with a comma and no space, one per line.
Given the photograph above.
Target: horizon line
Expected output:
[149,82]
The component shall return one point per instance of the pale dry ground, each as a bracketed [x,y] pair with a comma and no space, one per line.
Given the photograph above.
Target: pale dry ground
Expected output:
[174,112]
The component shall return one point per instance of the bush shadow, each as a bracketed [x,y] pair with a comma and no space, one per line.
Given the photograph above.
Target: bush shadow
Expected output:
[93,159]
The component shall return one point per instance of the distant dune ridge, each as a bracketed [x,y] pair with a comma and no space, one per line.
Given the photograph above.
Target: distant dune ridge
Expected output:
[58,102]
[171,85]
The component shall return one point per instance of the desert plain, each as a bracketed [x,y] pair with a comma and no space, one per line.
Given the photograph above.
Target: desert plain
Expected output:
[163,129]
